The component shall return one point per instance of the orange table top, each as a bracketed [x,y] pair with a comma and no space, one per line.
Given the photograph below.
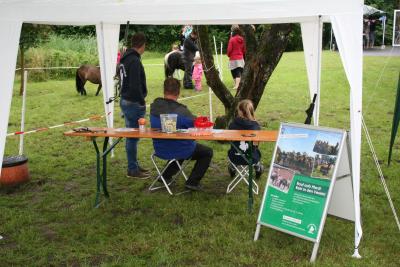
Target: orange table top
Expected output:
[217,135]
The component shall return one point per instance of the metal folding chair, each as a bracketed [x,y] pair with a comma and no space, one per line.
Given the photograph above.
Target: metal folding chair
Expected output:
[242,174]
[160,172]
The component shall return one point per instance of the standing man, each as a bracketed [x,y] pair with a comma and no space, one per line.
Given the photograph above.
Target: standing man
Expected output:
[133,105]
[189,51]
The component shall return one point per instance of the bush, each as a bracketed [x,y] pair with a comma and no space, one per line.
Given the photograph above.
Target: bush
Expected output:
[61,52]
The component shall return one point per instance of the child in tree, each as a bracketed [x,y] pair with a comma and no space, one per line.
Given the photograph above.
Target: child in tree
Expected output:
[197,72]
[244,120]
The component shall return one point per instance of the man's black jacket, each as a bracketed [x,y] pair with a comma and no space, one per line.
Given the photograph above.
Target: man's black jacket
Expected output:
[189,48]
[134,84]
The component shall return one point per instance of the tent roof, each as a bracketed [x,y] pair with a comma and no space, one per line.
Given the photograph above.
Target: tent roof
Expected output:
[369,10]
[78,12]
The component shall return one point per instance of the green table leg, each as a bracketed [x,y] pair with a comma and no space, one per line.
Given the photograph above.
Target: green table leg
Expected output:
[98,175]
[249,155]
[102,174]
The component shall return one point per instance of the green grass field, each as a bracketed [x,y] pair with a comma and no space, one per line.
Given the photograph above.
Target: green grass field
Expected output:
[50,221]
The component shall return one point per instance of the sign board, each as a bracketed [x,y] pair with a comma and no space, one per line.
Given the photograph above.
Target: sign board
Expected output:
[301,180]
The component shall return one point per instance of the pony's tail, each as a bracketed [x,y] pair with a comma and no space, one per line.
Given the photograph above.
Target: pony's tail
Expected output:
[166,66]
[78,82]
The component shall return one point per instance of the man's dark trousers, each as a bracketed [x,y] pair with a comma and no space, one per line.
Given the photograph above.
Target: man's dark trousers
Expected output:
[202,155]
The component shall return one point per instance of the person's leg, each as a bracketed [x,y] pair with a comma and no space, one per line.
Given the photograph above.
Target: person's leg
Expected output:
[236,73]
[132,113]
[202,155]
[171,170]
[372,39]
[187,78]
[197,85]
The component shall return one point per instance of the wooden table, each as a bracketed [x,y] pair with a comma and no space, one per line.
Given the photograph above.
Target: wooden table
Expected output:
[249,136]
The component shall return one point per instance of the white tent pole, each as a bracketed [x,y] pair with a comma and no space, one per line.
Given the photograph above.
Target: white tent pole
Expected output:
[383,34]
[21,137]
[221,64]
[348,32]
[105,87]
[319,55]
[107,43]
[210,103]
[216,57]
[9,50]
[311,33]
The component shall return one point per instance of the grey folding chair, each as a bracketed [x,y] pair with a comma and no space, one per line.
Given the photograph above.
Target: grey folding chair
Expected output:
[242,174]
[160,172]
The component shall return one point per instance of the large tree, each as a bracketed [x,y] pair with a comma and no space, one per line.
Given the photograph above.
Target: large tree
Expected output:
[31,36]
[265,46]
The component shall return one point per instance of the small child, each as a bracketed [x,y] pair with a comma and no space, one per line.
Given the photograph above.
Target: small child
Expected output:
[245,120]
[197,72]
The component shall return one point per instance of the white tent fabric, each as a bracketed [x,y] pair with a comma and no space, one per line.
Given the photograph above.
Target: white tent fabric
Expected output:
[107,43]
[311,33]
[172,11]
[346,16]
[350,47]
[10,30]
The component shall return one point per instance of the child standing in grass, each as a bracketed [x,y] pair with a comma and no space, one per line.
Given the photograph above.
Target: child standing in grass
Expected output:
[244,120]
[197,74]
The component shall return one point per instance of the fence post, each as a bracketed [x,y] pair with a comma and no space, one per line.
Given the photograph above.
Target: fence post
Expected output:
[21,137]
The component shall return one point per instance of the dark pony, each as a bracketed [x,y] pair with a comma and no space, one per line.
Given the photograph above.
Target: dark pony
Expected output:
[87,73]
[173,61]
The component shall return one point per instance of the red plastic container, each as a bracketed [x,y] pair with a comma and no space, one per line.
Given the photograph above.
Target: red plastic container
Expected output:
[14,171]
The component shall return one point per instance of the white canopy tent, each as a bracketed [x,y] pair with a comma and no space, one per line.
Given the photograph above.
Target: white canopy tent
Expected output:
[345,16]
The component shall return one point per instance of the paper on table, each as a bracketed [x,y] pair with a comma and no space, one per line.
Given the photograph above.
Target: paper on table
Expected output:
[126,130]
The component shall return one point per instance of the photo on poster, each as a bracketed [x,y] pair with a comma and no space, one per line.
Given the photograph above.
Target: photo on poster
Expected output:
[323,166]
[299,148]
[281,178]
[327,144]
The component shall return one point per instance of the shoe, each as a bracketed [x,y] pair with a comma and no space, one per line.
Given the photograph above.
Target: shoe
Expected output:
[137,174]
[232,171]
[259,168]
[143,170]
[193,187]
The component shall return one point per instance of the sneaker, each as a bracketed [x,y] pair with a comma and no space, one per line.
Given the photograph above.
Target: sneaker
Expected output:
[232,171]
[259,168]
[143,170]
[137,174]
[193,187]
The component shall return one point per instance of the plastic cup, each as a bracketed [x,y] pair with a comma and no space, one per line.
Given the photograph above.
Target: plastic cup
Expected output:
[168,122]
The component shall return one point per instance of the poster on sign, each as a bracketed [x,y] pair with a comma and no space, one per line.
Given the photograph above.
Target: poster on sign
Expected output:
[301,180]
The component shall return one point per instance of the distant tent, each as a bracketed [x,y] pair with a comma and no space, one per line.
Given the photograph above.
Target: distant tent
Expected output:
[369,10]
[396,120]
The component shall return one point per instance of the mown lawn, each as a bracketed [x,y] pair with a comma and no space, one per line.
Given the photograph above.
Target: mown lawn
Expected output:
[50,221]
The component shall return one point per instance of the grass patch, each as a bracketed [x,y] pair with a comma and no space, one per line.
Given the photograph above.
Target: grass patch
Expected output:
[51,220]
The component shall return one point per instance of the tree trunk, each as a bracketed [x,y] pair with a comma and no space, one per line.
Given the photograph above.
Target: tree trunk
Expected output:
[22,62]
[262,56]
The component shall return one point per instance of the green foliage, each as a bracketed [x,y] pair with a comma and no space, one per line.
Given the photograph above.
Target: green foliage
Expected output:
[75,31]
[61,52]
[32,35]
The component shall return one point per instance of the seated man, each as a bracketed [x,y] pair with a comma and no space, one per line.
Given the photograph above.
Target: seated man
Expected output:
[178,149]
